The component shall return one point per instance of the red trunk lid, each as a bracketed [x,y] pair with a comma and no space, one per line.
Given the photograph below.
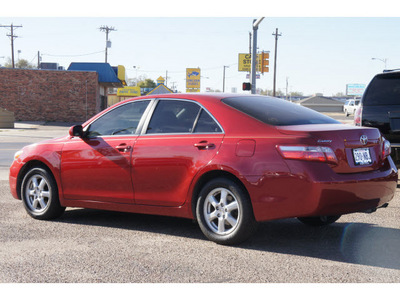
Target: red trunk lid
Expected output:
[347,142]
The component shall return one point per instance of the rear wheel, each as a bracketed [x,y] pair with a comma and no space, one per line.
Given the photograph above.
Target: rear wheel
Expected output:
[40,195]
[319,221]
[225,213]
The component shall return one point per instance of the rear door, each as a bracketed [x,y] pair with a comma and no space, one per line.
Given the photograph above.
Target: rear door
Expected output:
[179,139]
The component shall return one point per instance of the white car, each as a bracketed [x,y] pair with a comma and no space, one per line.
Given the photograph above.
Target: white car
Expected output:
[351,106]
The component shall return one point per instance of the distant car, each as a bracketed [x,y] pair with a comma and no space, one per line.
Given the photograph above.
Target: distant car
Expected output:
[380,108]
[351,106]
[227,161]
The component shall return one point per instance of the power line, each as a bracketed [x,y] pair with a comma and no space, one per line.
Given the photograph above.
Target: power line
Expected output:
[12,37]
[75,55]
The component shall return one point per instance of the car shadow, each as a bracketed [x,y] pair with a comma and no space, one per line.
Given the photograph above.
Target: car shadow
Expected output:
[356,243]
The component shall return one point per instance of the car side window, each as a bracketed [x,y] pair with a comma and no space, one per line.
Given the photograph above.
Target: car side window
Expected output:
[206,123]
[122,120]
[173,116]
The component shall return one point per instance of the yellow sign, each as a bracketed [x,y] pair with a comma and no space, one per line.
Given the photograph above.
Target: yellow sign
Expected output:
[121,74]
[245,62]
[192,90]
[193,78]
[129,91]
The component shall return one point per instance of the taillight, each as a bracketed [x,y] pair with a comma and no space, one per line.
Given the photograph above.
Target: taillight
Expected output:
[357,116]
[309,153]
[386,149]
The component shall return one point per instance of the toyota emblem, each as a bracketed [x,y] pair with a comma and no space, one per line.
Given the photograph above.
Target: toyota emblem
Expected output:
[364,139]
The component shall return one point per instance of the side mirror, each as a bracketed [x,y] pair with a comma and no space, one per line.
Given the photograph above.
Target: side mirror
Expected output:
[76,130]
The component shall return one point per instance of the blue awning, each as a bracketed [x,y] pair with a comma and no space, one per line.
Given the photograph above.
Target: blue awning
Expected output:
[107,75]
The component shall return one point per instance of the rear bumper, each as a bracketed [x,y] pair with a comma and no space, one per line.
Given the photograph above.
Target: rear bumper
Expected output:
[316,190]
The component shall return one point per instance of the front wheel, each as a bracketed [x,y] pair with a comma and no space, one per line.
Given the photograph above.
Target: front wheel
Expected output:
[319,221]
[225,213]
[40,195]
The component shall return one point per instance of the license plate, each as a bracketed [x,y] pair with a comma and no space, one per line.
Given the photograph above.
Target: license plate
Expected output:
[362,156]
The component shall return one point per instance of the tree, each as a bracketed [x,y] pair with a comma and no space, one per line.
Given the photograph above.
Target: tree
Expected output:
[20,64]
[147,83]
[296,94]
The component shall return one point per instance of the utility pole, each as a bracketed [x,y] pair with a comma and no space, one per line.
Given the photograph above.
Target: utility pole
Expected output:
[287,85]
[276,46]
[12,37]
[223,80]
[107,29]
[38,59]
[254,55]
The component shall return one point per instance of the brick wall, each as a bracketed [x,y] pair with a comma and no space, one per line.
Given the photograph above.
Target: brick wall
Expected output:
[46,95]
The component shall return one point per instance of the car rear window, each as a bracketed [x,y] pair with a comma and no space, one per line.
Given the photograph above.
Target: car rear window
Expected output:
[384,89]
[277,112]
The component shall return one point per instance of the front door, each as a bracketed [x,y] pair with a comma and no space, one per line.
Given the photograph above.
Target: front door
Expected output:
[97,167]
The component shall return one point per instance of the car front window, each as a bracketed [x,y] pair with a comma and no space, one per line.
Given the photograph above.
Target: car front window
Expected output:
[122,120]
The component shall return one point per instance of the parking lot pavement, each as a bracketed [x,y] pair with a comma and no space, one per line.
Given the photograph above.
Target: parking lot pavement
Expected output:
[340,116]
[87,245]
[25,133]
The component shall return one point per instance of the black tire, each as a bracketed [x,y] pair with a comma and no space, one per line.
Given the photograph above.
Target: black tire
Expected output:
[319,221]
[39,194]
[225,213]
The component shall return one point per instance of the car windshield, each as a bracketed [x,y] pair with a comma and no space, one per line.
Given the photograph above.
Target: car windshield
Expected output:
[383,90]
[277,112]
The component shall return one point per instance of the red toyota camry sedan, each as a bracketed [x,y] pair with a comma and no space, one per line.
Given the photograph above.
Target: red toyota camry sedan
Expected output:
[227,161]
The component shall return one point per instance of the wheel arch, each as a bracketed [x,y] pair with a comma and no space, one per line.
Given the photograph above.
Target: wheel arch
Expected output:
[206,177]
[25,169]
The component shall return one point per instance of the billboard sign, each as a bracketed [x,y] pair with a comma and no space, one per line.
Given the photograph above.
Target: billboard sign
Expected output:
[193,79]
[245,62]
[355,89]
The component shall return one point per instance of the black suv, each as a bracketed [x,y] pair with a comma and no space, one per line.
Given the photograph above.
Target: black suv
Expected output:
[380,108]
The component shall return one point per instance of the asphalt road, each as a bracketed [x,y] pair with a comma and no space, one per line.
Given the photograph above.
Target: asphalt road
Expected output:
[98,246]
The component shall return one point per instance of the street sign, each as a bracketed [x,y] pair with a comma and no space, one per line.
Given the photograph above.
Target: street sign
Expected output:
[257,76]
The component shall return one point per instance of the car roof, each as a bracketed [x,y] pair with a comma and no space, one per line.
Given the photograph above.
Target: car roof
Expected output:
[200,97]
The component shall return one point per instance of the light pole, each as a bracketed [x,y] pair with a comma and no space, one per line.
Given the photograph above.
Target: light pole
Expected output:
[136,68]
[384,60]
[223,81]
[254,55]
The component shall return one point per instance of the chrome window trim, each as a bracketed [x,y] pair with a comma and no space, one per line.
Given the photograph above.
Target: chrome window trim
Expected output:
[150,115]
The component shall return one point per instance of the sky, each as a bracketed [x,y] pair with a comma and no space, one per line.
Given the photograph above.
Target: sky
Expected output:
[317,52]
